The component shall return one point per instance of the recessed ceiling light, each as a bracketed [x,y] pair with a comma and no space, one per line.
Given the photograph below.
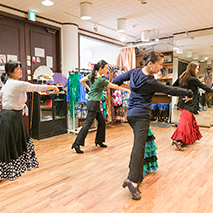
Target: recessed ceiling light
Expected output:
[47,3]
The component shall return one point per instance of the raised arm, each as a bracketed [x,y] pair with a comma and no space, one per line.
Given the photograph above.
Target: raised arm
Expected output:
[114,86]
[83,82]
[199,84]
[121,78]
[174,91]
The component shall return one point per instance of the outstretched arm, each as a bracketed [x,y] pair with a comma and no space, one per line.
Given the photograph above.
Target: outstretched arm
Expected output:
[55,88]
[199,84]
[83,82]
[175,91]
[114,86]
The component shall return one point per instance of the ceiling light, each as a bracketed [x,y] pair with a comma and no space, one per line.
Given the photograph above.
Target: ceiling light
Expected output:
[95,28]
[202,59]
[123,38]
[179,50]
[47,3]
[175,48]
[85,10]
[209,61]
[189,53]
[145,35]
[195,55]
[186,33]
[121,25]
[142,1]
[206,58]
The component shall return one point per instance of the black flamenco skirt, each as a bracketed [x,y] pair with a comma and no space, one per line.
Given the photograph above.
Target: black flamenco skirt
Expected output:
[16,147]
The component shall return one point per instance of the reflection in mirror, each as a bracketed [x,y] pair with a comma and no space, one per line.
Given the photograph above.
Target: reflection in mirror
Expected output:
[205,114]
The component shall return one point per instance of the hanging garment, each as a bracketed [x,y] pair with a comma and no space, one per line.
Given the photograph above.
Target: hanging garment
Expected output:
[82,91]
[72,92]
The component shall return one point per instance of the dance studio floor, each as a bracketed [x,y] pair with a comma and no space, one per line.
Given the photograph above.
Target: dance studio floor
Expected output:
[67,182]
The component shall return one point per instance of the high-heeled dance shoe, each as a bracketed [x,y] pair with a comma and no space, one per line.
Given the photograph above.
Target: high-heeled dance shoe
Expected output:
[177,145]
[100,144]
[133,190]
[77,148]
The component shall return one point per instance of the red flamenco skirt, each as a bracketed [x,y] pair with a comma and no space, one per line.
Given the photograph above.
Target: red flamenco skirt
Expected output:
[187,130]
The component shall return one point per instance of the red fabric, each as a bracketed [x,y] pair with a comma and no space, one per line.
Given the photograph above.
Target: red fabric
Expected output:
[187,130]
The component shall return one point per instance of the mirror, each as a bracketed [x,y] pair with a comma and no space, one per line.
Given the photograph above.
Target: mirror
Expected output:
[205,114]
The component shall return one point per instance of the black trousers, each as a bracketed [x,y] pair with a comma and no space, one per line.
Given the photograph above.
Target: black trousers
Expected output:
[100,134]
[140,128]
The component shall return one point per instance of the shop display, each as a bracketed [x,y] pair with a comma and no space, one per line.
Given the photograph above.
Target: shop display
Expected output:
[49,115]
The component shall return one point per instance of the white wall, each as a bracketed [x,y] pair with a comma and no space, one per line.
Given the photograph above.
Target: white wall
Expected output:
[92,51]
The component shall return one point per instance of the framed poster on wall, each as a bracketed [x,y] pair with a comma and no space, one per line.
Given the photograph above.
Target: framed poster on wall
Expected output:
[2,61]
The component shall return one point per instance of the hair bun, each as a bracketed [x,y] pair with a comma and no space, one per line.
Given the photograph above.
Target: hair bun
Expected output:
[146,56]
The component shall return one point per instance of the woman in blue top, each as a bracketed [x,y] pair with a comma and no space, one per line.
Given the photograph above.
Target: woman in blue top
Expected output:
[97,84]
[143,87]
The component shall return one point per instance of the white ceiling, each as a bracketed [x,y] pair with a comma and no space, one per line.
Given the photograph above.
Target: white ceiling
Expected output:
[166,17]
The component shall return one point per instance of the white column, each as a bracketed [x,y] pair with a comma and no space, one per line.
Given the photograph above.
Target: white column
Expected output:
[69,48]
[174,78]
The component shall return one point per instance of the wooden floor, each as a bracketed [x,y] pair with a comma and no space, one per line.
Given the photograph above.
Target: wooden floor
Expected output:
[91,183]
[204,118]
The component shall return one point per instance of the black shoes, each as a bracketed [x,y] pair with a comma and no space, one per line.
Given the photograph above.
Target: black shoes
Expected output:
[174,142]
[100,144]
[77,148]
[133,190]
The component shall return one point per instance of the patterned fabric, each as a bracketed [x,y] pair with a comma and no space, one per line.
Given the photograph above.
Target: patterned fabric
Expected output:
[116,98]
[150,155]
[15,167]
[125,99]
[80,111]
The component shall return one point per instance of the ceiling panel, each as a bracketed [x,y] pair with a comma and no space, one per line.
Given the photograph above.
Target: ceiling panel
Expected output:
[164,16]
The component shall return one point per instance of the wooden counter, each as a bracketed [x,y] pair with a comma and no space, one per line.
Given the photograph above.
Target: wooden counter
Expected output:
[161,98]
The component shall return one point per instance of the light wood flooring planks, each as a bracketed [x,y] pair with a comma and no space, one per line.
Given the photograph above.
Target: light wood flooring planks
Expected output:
[91,182]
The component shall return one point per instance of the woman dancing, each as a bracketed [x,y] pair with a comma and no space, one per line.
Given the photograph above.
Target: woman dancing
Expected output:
[187,131]
[16,147]
[143,87]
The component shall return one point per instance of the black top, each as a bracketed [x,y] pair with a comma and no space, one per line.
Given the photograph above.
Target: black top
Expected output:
[143,88]
[192,83]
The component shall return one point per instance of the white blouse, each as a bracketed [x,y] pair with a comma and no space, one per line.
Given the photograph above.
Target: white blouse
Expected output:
[13,93]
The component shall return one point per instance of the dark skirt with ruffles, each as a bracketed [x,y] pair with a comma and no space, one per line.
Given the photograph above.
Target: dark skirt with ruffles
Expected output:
[187,130]
[150,156]
[16,147]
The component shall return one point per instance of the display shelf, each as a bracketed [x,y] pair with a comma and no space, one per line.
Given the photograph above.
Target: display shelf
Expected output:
[168,64]
[49,115]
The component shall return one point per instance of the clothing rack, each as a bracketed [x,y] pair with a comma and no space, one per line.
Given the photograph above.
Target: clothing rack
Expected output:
[112,66]
[80,70]
[72,121]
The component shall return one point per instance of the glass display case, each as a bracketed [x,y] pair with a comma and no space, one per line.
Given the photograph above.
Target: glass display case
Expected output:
[49,115]
[46,108]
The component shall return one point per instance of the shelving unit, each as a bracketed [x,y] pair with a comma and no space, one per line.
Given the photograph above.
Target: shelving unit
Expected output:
[160,97]
[49,115]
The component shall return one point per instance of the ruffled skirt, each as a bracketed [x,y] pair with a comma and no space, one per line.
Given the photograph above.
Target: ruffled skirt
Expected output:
[16,148]
[187,130]
[150,155]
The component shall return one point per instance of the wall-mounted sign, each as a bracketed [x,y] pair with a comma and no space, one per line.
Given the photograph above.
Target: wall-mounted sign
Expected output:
[32,16]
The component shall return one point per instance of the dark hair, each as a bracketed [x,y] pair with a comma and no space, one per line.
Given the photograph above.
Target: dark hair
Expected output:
[100,64]
[190,71]
[9,68]
[153,56]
